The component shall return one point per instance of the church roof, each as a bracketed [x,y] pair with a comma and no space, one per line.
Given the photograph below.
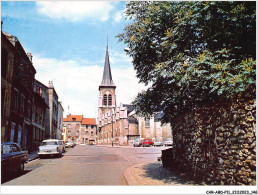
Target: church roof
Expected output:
[107,76]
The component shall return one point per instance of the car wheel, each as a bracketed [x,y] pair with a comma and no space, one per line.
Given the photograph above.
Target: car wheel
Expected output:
[21,168]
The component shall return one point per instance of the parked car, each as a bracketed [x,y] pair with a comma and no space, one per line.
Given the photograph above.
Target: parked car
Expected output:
[12,157]
[168,142]
[61,142]
[137,143]
[50,147]
[147,142]
[70,144]
[158,143]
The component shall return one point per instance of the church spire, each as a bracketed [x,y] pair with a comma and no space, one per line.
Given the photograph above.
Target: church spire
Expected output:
[107,76]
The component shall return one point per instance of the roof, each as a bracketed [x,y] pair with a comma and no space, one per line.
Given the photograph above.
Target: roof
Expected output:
[107,76]
[88,121]
[16,43]
[71,118]
[129,107]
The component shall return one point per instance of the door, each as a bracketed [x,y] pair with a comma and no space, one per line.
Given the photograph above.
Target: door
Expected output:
[12,132]
[19,134]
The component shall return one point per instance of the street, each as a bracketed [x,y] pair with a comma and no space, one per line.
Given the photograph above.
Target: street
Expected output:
[85,165]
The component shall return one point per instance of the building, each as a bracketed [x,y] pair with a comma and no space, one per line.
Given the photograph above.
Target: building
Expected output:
[73,127]
[39,110]
[52,115]
[120,125]
[80,130]
[153,129]
[54,112]
[7,62]
[88,131]
[29,110]
[21,96]
[59,121]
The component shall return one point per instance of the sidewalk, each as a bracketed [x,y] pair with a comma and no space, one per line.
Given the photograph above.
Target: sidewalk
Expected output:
[32,156]
[154,174]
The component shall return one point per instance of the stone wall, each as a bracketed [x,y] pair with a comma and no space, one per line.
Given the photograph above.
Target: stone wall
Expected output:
[216,144]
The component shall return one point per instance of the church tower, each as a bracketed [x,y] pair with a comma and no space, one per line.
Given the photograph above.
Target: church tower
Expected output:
[107,100]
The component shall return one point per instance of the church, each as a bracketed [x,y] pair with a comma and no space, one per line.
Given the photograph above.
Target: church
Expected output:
[119,124]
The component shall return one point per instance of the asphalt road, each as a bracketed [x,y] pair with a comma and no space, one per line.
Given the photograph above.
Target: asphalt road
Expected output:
[84,165]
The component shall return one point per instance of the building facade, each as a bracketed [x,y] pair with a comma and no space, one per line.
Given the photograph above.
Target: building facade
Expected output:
[21,96]
[120,125]
[38,120]
[88,131]
[7,62]
[80,130]
[27,106]
[59,121]
[54,112]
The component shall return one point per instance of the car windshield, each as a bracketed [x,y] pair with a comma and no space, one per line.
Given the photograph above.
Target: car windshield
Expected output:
[49,143]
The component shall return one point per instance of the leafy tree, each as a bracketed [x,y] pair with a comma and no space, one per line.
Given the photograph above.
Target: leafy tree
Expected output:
[191,53]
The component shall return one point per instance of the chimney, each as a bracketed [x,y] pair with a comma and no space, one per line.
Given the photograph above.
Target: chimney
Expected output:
[29,56]
[50,84]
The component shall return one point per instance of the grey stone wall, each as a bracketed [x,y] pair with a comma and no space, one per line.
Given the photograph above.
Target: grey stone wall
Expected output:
[216,143]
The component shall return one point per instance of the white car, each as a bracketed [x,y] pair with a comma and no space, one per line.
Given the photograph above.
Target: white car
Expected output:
[50,147]
[157,143]
[168,142]
[61,142]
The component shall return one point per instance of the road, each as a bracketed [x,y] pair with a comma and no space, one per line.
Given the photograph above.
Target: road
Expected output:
[85,165]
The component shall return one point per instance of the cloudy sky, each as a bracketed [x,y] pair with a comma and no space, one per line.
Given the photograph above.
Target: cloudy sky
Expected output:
[68,42]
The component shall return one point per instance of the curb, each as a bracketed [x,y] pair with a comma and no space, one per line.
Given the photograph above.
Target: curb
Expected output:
[33,158]
[130,177]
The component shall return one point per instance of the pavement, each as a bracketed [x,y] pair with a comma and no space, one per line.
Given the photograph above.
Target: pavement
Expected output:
[154,174]
[32,156]
[146,174]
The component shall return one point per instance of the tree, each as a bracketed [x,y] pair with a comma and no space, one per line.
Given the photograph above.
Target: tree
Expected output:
[191,53]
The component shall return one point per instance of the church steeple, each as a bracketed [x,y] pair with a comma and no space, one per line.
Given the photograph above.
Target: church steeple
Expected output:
[107,76]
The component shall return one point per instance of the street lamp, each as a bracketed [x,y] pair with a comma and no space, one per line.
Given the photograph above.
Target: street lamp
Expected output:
[112,124]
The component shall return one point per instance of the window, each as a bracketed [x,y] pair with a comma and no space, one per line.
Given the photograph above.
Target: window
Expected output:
[69,133]
[77,133]
[69,126]
[92,126]
[7,149]
[92,133]
[4,62]
[28,109]
[22,104]
[147,122]
[15,99]
[105,100]
[77,126]
[74,119]
[3,101]
[109,99]
[86,126]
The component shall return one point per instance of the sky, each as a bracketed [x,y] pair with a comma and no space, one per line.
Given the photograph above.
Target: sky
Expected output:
[68,40]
